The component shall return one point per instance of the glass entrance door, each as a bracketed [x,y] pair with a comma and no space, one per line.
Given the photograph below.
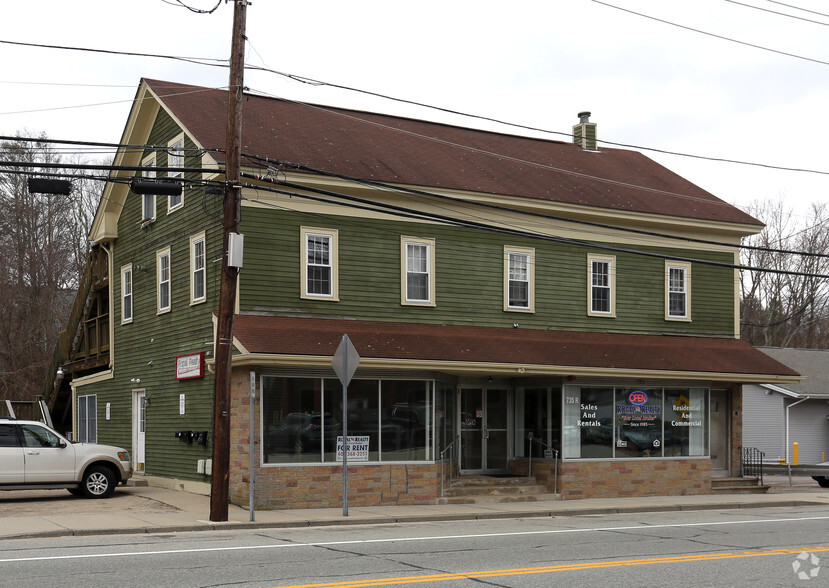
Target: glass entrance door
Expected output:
[484,416]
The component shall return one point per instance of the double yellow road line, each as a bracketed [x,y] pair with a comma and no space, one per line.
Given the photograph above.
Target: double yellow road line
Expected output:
[672,559]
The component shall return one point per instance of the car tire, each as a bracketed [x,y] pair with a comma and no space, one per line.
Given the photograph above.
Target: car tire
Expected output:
[98,482]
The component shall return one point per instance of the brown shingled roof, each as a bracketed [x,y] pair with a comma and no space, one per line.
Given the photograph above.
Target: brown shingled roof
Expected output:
[524,347]
[407,151]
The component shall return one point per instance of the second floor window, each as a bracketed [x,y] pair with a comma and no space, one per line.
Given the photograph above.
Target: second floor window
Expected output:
[601,285]
[319,263]
[418,274]
[163,264]
[126,294]
[519,273]
[677,290]
[198,270]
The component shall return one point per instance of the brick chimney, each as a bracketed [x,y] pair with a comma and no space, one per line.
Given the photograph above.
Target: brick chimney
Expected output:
[584,133]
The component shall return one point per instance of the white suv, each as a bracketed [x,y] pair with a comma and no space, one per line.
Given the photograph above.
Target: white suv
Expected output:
[33,456]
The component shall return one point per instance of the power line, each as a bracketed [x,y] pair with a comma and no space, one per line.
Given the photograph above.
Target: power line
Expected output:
[209,61]
[798,8]
[314,82]
[779,13]
[466,201]
[179,3]
[721,37]
[392,208]
[142,169]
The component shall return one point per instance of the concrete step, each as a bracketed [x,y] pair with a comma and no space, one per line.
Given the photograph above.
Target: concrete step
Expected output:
[744,485]
[523,489]
[494,489]
[473,481]
[497,498]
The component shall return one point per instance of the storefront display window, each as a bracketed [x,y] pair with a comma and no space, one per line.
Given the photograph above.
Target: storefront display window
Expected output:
[686,426]
[588,422]
[638,422]
[628,422]
[302,420]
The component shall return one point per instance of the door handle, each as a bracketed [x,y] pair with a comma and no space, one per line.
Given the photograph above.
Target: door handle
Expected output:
[32,452]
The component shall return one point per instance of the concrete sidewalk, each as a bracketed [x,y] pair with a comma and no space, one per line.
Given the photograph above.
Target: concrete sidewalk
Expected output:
[149,509]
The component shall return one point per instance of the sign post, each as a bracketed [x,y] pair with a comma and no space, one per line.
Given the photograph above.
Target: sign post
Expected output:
[345,362]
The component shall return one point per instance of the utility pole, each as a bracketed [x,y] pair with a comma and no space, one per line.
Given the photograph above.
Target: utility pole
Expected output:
[227,289]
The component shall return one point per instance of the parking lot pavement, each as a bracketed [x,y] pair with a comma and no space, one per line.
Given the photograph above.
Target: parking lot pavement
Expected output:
[35,503]
[778,483]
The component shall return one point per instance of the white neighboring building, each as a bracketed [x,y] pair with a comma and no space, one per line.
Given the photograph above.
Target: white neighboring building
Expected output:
[775,417]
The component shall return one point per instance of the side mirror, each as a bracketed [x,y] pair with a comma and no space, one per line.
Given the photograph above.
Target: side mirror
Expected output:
[62,444]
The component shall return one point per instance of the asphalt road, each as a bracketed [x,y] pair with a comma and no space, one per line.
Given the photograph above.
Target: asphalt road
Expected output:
[757,547]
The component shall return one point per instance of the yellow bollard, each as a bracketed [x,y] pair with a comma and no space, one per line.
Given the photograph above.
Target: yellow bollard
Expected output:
[794,453]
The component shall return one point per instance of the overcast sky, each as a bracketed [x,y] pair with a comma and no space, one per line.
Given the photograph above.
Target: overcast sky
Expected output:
[761,97]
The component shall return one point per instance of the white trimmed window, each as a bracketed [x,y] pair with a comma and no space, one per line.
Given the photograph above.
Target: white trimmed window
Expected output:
[175,158]
[88,419]
[519,279]
[148,200]
[319,258]
[198,270]
[126,294]
[601,280]
[677,291]
[417,276]
[163,274]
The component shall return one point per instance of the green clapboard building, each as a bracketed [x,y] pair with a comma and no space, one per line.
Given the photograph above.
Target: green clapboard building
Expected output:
[554,310]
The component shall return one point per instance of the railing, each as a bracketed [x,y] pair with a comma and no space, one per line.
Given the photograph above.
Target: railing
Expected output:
[541,442]
[451,450]
[95,337]
[752,463]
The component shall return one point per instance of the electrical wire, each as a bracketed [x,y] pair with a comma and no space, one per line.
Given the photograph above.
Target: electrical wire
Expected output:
[721,37]
[314,82]
[798,8]
[505,209]
[479,225]
[179,3]
[209,61]
[778,13]
[375,184]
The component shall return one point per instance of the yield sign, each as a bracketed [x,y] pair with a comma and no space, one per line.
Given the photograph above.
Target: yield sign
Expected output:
[345,360]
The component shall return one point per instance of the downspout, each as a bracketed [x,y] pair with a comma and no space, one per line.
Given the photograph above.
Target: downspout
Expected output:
[787,424]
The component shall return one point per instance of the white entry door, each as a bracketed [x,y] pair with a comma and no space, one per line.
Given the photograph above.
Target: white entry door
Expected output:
[139,426]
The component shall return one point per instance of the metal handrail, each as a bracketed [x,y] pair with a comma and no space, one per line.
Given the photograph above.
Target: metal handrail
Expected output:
[451,448]
[541,442]
[752,463]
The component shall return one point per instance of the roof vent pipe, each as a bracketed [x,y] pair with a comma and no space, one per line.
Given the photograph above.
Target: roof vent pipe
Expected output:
[584,133]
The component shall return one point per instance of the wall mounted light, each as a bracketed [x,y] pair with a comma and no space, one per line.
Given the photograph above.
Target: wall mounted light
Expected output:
[136,380]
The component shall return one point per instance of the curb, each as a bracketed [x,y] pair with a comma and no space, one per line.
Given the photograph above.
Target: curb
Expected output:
[378,520]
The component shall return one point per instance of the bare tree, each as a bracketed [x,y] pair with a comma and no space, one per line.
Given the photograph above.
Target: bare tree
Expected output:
[787,309]
[39,242]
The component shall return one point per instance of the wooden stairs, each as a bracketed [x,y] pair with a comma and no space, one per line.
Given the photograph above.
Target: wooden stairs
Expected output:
[482,489]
